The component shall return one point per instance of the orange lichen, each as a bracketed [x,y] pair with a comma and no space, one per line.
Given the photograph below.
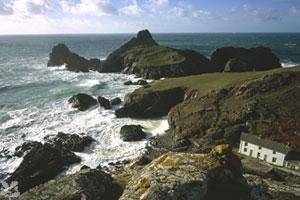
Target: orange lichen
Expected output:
[144,185]
[168,163]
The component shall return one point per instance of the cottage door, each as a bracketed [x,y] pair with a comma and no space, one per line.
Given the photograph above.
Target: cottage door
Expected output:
[251,152]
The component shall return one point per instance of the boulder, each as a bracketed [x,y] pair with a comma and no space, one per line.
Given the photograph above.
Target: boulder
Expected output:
[82,101]
[146,103]
[143,57]
[40,164]
[115,101]
[258,59]
[26,146]
[189,176]
[88,184]
[132,133]
[61,55]
[105,103]
[237,65]
[141,82]
[71,142]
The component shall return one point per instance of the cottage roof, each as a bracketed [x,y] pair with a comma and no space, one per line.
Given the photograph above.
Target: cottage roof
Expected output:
[276,146]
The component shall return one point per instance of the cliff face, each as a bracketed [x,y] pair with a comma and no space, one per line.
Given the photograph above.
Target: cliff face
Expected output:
[217,107]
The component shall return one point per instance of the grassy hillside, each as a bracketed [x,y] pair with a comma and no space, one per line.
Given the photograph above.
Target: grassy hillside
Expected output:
[219,106]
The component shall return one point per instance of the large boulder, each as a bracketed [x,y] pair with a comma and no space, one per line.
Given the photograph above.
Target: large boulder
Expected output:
[40,164]
[258,59]
[105,103]
[143,57]
[150,104]
[82,101]
[88,184]
[71,142]
[61,55]
[188,176]
[115,101]
[132,133]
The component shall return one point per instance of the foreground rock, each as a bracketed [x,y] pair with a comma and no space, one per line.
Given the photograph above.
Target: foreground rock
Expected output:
[82,101]
[61,55]
[132,133]
[115,101]
[143,57]
[27,146]
[71,142]
[179,176]
[88,184]
[240,59]
[105,103]
[40,164]
[150,104]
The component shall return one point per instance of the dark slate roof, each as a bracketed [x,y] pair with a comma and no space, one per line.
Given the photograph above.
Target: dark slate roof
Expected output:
[276,146]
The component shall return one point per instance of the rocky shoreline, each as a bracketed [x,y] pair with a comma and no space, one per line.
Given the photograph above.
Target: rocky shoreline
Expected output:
[207,112]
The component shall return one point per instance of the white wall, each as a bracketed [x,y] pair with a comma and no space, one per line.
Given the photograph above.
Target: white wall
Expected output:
[263,151]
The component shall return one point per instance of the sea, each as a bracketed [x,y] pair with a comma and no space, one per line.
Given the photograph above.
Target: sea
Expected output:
[33,97]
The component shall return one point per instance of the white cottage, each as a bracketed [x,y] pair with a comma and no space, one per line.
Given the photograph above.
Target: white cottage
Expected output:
[267,150]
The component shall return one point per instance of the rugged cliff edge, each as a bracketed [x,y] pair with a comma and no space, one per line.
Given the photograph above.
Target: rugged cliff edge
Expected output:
[216,108]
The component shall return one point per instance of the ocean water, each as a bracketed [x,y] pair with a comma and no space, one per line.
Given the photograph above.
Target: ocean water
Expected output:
[33,98]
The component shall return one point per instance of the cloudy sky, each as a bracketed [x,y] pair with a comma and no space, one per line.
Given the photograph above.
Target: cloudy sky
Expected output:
[126,16]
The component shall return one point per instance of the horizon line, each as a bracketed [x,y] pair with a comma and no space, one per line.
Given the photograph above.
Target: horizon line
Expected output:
[111,33]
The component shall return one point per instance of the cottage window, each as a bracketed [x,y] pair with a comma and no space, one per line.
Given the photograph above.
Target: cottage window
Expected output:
[259,148]
[245,149]
[258,155]
[246,143]
[274,152]
[273,159]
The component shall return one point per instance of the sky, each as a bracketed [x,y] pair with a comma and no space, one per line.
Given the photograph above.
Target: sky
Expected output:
[130,16]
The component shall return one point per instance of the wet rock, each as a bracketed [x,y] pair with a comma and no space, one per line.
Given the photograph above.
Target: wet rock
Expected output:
[71,142]
[128,83]
[61,55]
[115,101]
[40,164]
[105,103]
[88,184]
[26,146]
[82,101]
[150,104]
[190,176]
[258,59]
[141,82]
[132,133]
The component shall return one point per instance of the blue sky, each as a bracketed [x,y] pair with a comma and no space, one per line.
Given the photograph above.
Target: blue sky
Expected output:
[127,16]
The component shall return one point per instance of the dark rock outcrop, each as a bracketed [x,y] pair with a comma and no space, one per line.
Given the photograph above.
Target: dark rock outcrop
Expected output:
[40,164]
[82,101]
[253,59]
[132,133]
[143,57]
[190,176]
[150,104]
[237,65]
[27,146]
[88,184]
[71,142]
[105,103]
[61,55]
[115,101]
[139,82]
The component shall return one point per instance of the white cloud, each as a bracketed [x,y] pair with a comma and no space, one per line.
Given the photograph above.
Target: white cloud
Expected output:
[5,9]
[133,9]
[294,11]
[31,7]
[157,5]
[177,11]
[91,7]
[202,14]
